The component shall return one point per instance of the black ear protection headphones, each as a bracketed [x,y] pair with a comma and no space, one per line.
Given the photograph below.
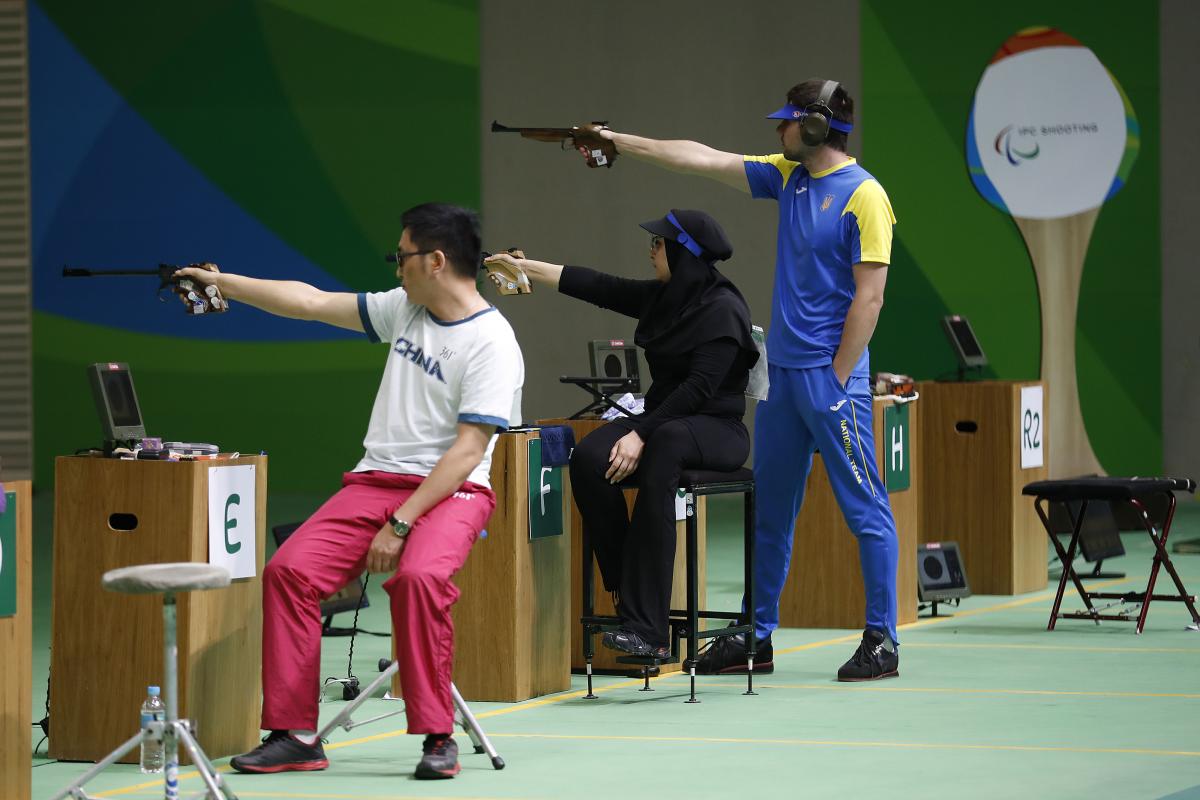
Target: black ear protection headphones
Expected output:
[818,118]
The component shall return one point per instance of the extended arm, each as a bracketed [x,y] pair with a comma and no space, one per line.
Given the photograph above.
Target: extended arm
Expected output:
[682,155]
[446,477]
[869,280]
[291,299]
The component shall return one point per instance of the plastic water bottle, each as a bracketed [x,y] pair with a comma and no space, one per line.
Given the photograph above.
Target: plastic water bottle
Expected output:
[153,710]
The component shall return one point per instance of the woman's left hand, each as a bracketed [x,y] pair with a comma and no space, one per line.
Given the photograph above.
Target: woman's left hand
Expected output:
[624,458]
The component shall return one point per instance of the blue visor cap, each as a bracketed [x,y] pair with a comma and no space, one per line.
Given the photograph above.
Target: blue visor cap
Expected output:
[796,112]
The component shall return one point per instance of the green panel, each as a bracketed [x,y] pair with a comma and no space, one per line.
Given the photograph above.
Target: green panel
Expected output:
[306,405]
[324,132]
[956,253]
[324,121]
[545,495]
[8,556]
[896,447]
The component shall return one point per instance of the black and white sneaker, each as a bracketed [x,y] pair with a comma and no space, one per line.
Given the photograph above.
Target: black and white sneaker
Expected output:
[282,752]
[875,658]
[626,641]
[439,759]
[726,655]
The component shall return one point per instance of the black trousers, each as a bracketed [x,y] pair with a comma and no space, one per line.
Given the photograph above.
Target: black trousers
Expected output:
[637,556]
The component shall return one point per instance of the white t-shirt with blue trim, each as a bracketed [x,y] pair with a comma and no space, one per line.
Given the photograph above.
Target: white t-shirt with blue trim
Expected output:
[438,374]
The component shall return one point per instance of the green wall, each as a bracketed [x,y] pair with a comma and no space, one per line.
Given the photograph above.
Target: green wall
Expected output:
[954,253]
[322,121]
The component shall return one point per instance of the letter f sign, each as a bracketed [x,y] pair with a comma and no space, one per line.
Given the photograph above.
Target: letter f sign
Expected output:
[543,487]
[231,547]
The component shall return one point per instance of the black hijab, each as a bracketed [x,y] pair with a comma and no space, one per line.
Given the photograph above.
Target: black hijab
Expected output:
[698,304]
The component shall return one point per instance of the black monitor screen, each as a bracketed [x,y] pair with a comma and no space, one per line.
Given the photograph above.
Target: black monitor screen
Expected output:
[116,401]
[118,389]
[966,338]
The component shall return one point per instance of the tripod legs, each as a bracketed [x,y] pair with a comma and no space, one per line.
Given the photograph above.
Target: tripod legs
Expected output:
[470,725]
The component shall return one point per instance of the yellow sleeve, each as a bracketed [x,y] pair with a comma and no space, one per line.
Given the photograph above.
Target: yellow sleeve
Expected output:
[873,214]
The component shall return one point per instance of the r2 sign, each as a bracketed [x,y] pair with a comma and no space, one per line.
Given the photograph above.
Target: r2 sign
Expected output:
[1032,428]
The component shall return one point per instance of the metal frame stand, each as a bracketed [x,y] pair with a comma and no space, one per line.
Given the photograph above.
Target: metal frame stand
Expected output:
[171,731]
[464,716]
[685,623]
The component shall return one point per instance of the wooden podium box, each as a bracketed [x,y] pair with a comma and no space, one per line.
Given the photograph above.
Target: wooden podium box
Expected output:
[510,622]
[824,586]
[971,468]
[16,650]
[605,659]
[108,647]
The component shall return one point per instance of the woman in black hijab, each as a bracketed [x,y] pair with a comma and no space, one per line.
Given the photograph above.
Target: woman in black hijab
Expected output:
[694,326]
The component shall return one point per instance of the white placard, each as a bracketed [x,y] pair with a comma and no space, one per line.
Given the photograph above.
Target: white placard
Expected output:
[680,504]
[1031,427]
[1050,130]
[231,518]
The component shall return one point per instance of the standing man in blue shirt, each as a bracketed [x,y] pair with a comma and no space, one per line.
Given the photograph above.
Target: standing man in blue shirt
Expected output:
[834,247]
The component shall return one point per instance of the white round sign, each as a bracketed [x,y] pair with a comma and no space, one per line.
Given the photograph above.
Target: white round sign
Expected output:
[1049,131]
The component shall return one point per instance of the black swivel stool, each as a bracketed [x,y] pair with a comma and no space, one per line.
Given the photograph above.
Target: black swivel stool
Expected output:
[1139,493]
[685,623]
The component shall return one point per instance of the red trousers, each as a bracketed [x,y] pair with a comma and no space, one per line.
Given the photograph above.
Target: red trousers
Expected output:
[329,550]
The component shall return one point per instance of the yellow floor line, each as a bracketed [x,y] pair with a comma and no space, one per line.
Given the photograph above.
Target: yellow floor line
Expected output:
[356,796]
[836,743]
[558,698]
[863,687]
[923,623]
[1063,647]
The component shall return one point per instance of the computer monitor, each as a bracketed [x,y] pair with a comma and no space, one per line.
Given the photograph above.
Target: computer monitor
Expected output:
[612,358]
[116,401]
[962,340]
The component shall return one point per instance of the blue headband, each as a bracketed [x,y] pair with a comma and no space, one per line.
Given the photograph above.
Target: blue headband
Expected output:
[684,239]
[796,112]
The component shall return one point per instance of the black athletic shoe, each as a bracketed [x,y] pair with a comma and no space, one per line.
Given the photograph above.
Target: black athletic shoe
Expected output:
[629,642]
[875,658]
[282,752]
[726,655]
[440,759]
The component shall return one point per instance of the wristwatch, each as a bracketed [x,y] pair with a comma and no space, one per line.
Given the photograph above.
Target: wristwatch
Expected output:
[399,526]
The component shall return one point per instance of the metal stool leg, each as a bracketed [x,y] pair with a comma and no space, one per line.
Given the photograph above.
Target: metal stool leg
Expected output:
[588,581]
[693,591]
[172,730]
[748,555]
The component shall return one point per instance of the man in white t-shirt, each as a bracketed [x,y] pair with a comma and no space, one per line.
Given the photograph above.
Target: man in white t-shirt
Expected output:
[417,500]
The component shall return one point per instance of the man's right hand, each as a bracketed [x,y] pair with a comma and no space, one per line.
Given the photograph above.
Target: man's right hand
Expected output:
[201,273]
[595,143]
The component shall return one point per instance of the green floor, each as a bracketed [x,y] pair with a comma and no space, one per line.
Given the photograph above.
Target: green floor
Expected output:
[988,705]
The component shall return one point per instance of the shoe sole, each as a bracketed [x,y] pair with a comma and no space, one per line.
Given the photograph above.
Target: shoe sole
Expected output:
[436,774]
[299,766]
[760,668]
[892,674]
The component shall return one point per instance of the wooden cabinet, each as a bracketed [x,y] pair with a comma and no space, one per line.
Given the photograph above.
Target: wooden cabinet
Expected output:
[971,468]
[108,647]
[16,647]
[511,620]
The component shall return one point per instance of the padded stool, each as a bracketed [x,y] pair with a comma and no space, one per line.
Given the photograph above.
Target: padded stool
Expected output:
[167,580]
[685,623]
[1139,493]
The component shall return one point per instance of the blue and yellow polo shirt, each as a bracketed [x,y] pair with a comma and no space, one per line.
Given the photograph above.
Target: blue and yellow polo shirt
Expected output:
[828,222]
